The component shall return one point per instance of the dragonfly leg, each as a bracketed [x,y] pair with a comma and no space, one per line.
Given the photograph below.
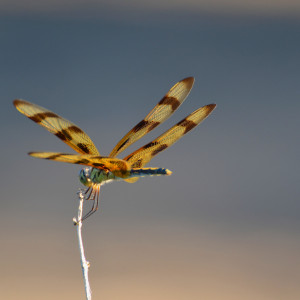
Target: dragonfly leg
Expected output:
[93,194]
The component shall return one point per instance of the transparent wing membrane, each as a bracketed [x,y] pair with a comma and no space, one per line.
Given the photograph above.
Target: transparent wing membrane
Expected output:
[118,167]
[65,130]
[142,156]
[160,113]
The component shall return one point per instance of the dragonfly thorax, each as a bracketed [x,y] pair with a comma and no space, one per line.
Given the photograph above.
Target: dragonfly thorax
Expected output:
[90,176]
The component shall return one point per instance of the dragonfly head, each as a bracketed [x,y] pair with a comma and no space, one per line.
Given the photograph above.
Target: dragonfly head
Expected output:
[85,176]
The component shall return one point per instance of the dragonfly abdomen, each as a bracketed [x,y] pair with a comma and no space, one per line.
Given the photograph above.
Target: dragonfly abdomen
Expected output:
[149,172]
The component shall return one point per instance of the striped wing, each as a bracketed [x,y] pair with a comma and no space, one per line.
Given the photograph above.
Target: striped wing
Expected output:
[117,166]
[161,112]
[142,156]
[68,132]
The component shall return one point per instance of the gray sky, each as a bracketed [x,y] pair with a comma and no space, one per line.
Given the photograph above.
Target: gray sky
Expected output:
[264,7]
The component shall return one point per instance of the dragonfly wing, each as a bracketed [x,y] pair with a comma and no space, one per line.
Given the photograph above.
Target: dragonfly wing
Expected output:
[142,156]
[117,166]
[161,112]
[68,132]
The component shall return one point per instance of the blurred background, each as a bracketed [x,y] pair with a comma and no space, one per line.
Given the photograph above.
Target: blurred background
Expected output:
[226,224]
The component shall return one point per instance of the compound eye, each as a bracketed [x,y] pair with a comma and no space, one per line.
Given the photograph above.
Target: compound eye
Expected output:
[84,176]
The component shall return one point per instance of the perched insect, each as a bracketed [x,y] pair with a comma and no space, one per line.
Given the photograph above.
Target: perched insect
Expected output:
[108,168]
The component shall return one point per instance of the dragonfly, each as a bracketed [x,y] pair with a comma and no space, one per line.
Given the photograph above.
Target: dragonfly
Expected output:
[102,169]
